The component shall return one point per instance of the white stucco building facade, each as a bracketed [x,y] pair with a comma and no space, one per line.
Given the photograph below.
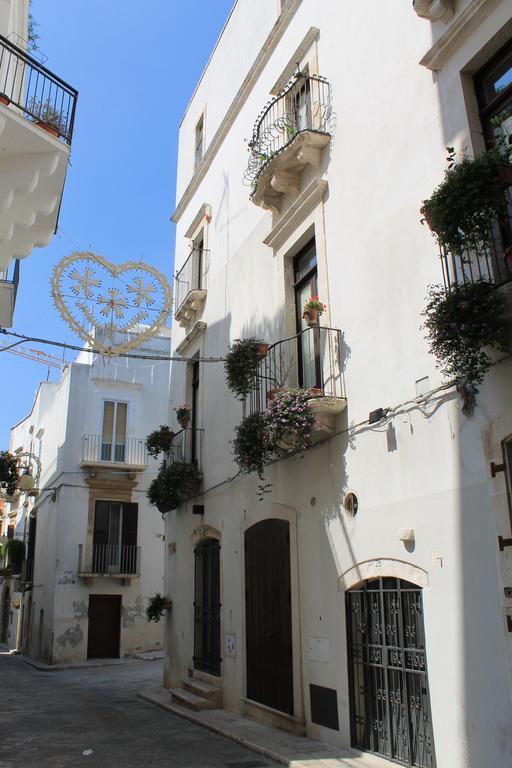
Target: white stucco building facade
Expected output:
[334,209]
[94,547]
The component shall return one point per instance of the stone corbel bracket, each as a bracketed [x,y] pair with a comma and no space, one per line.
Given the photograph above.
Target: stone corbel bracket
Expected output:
[434,10]
[283,171]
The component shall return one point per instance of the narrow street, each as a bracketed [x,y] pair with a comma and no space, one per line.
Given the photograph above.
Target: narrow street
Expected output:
[93,717]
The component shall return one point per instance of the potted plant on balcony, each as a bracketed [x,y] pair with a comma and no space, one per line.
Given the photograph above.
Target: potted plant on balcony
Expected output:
[313,308]
[461,210]
[156,607]
[4,99]
[242,365]
[48,117]
[159,441]
[173,485]
[183,414]
[289,420]
[462,325]
[8,473]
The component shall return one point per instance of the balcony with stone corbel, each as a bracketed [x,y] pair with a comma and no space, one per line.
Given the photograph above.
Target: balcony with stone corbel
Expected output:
[191,287]
[290,134]
[37,111]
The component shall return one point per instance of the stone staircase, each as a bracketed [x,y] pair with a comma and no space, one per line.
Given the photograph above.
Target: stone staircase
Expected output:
[197,695]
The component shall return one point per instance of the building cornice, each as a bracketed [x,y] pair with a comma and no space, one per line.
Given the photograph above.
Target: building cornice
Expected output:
[296,213]
[257,67]
[459,30]
[197,330]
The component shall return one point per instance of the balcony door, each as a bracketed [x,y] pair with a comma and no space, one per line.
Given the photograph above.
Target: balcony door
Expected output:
[113,436]
[115,537]
[308,346]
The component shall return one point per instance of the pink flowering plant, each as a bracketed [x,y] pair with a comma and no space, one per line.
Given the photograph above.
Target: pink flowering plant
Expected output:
[183,413]
[288,415]
[314,303]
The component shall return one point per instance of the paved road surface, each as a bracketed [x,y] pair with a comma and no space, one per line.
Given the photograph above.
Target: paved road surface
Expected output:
[54,719]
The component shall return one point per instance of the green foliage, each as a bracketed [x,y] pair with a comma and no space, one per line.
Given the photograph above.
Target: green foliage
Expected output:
[460,210]
[8,472]
[13,551]
[33,35]
[241,366]
[155,608]
[159,441]
[460,324]
[251,448]
[173,484]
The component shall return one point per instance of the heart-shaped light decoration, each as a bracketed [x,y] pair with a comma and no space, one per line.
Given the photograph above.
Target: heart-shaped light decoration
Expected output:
[112,307]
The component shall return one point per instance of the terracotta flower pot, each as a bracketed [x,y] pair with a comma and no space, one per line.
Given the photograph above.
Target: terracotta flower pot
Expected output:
[311,316]
[273,392]
[4,99]
[48,128]
[263,349]
[167,604]
[315,392]
[184,422]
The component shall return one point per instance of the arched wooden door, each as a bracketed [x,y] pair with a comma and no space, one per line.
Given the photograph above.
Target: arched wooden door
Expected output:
[389,697]
[268,615]
[207,607]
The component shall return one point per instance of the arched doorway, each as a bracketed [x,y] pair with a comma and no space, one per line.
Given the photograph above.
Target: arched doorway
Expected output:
[207,607]
[6,612]
[268,616]
[389,695]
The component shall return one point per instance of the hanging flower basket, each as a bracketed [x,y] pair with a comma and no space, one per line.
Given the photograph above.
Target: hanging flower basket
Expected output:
[312,311]
[183,413]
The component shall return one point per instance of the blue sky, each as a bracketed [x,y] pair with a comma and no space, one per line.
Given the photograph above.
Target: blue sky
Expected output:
[135,74]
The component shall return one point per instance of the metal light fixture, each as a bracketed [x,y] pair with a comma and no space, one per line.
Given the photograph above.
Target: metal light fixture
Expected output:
[27,481]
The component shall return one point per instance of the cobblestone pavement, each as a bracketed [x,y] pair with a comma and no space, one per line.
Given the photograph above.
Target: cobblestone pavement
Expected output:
[92,718]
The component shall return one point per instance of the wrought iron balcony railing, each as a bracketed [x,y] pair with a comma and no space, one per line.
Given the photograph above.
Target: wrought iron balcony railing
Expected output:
[131,452]
[187,446]
[109,560]
[191,283]
[310,360]
[38,93]
[476,262]
[303,105]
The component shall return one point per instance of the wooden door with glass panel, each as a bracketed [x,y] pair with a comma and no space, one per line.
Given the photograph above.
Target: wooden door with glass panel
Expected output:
[113,438]
[308,340]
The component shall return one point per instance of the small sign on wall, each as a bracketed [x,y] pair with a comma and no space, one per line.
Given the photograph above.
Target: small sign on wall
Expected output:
[231,646]
[68,577]
[319,649]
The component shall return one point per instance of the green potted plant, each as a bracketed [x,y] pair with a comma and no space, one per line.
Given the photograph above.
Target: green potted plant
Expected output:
[183,414]
[156,607]
[289,420]
[48,117]
[251,448]
[13,552]
[313,308]
[462,208]
[461,325]
[159,441]
[8,473]
[173,485]
[242,365]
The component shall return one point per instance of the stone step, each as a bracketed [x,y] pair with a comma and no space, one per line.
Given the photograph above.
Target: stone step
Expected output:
[205,690]
[190,700]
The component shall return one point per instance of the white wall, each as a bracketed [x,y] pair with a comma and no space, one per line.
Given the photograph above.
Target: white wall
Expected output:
[394,119]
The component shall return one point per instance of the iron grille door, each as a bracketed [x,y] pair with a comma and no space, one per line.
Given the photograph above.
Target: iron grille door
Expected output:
[207,607]
[389,699]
